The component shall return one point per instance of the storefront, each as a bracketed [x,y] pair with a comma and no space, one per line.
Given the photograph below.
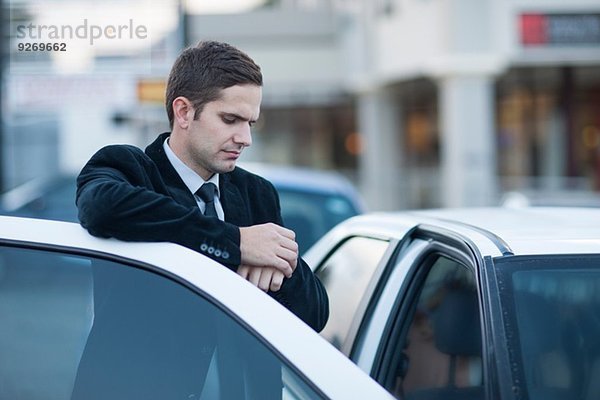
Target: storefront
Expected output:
[548,126]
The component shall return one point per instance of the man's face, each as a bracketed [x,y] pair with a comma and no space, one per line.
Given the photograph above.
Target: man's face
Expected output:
[216,139]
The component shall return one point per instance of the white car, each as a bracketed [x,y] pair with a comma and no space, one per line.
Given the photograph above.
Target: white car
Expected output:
[468,304]
[87,318]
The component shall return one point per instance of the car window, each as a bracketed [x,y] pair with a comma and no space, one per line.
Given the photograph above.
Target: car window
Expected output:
[439,351]
[311,215]
[551,309]
[76,327]
[346,275]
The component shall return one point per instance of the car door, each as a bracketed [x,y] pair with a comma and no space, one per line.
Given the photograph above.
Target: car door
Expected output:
[78,323]
[422,338]
[83,327]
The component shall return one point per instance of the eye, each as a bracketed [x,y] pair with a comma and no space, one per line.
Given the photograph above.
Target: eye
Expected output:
[251,123]
[229,120]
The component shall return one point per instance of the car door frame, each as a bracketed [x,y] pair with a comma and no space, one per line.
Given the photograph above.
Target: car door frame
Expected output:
[391,305]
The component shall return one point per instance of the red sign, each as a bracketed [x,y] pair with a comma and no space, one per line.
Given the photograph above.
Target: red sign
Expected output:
[560,29]
[533,29]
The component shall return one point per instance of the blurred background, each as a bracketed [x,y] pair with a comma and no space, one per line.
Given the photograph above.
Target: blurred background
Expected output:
[419,103]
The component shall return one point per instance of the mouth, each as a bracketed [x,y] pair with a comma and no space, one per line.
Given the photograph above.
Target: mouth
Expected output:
[232,153]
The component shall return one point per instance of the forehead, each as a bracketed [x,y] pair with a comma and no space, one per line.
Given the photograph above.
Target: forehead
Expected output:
[243,100]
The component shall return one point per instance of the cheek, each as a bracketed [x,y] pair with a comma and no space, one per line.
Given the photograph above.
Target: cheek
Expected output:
[216,133]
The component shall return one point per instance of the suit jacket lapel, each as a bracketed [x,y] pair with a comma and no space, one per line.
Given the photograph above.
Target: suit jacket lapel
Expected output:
[231,199]
[233,203]
[173,182]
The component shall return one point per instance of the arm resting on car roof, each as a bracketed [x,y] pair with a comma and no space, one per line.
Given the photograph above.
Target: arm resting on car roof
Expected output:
[122,194]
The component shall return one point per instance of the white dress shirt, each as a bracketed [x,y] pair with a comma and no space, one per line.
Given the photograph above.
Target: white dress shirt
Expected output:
[193,181]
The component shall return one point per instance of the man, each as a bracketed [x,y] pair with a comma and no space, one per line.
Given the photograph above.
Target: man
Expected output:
[187,189]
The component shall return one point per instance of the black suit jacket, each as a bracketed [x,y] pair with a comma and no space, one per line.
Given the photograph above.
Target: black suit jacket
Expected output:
[130,195]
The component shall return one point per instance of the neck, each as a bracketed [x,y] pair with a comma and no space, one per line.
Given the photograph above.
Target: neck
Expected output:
[179,147]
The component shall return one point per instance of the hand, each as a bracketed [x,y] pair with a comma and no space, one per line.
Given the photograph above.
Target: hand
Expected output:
[265,278]
[269,245]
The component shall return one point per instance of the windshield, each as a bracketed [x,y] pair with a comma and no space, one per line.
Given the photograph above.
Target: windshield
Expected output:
[551,309]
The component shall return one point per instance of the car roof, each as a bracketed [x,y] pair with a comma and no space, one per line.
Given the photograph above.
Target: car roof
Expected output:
[290,336]
[533,230]
[495,231]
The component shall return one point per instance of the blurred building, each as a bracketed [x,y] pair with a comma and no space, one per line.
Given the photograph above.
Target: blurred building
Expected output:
[477,97]
[423,103]
[64,103]
[428,102]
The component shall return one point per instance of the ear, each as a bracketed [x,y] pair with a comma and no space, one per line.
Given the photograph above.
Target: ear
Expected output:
[183,112]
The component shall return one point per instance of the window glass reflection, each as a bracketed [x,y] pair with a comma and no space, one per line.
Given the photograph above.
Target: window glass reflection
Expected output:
[83,328]
[346,275]
[554,304]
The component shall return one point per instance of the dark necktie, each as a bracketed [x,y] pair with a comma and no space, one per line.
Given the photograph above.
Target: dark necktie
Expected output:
[207,194]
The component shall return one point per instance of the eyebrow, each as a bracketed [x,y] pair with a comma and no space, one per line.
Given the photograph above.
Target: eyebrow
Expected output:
[230,114]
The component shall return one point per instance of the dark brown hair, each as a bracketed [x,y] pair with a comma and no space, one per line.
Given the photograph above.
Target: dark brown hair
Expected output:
[201,72]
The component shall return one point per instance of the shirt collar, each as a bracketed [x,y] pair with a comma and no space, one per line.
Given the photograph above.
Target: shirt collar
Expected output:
[192,180]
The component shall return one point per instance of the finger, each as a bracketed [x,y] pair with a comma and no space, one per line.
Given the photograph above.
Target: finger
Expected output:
[284,266]
[292,263]
[280,264]
[265,278]
[276,281]
[254,276]
[286,254]
[243,271]
[289,257]
[289,244]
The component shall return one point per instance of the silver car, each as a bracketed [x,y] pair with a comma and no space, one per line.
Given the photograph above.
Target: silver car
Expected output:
[468,304]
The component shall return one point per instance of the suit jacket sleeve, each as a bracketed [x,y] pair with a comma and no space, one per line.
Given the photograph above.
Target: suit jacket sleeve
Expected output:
[121,194]
[305,296]
[303,293]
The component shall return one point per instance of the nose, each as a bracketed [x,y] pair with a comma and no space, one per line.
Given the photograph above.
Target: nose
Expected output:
[243,136]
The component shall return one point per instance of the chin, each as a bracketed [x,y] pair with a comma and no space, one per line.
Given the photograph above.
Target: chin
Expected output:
[226,168]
